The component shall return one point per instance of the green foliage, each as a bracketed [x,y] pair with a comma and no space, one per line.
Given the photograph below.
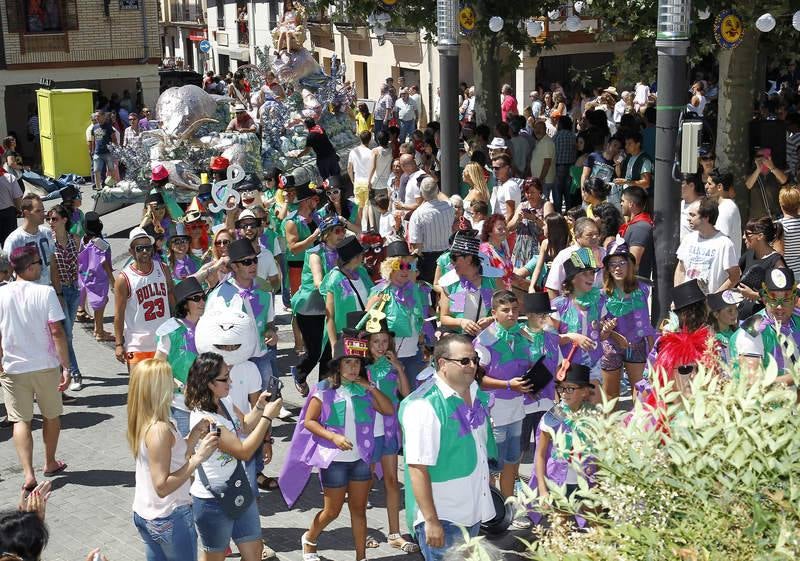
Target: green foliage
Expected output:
[722,485]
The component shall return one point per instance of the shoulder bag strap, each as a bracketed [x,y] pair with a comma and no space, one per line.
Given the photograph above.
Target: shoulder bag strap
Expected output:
[200,472]
[360,301]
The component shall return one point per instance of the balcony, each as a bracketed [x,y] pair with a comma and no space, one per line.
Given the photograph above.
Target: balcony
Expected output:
[187,12]
[243,32]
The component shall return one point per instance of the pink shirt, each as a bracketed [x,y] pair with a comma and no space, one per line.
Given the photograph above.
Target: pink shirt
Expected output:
[509,106]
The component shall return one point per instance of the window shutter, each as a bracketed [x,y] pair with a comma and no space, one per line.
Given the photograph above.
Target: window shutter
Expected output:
[14,16]
[69,11]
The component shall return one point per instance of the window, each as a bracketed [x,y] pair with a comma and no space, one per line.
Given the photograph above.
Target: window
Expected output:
[41,16]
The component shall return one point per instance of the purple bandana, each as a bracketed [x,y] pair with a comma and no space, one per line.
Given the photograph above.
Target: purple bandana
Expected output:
[469,418]
[404,295]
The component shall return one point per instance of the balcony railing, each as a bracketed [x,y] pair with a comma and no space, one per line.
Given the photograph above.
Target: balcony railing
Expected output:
[187,12]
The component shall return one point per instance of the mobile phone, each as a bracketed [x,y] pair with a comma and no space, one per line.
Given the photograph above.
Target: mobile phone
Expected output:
[274,388]
[214,428]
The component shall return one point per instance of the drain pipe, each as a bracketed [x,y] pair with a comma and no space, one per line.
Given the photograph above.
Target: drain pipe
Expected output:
[145,38]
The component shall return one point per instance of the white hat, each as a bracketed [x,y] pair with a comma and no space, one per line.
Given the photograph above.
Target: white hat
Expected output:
[239,108]
[611,89]
[497,143]
[139,233]
[247,214]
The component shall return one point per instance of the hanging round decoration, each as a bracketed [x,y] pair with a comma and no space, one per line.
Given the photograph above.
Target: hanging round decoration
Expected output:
[389,3]
[728,29]
[467,18]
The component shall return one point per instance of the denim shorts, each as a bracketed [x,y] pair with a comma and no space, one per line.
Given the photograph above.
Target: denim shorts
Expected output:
[339,474]
[384,448]
[509,445]
[102,163]
[217,529]
[171,538]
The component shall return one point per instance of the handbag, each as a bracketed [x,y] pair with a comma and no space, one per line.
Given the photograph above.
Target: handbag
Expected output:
[237,495]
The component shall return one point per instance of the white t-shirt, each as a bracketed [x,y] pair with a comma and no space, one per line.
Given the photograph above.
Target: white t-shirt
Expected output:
[219,467]
[42,240]
[545,148]
[26,310]
[685,229]
[707,259]
[730,224]
[361,158]
[508,191]
[266,267]
[412,188]
[350,433]
[245,379]
[463,501]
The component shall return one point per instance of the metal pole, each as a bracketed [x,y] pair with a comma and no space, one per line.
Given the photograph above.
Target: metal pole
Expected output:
[447,28]
[672,44]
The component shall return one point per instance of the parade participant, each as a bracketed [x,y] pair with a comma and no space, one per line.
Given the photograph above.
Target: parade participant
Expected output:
[318,140]
[587,235]
[143,298]
[626,302]
[95,274]
[580,313]
[242,122]
[178,260]
[504,351]
[405,305]
[248,227]
[33,345]
[466,292]
[308,303]
[300,227]
[157,216]
[340,204]
[197,230]
[165,463]
[723,313]
[218,167]
[689,306]
[386,371]
[551,465]
[222,500]
[71,201]
[345,287]
[175,344]
[757,342]
[544,348]
[256,301]
[159,183]
[447,443]
[335,434]
[218,255]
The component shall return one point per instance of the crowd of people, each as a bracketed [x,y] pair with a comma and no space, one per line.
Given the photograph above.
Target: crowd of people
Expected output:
[449,334]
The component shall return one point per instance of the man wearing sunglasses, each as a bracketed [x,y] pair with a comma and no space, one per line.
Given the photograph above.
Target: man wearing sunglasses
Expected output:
[757,342]
[143,300]
[447,442]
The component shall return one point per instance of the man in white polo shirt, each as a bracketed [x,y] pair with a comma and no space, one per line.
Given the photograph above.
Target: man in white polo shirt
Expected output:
[447,442]
[33,346]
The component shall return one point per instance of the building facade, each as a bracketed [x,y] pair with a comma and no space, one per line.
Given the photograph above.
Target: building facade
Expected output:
[110,46]
[236,28]
[183,27]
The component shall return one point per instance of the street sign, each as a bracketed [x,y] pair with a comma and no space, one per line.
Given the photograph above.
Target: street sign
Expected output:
[204,46]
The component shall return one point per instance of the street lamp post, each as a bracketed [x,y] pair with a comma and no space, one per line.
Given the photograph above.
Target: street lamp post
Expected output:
[672,42]
[447,32]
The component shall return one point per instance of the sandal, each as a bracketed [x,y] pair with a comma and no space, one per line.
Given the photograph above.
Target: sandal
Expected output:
[61,466]
[103,337]
[82,317]
[399,542]
[268,553]
[372,543]
[311,556]
[266,483]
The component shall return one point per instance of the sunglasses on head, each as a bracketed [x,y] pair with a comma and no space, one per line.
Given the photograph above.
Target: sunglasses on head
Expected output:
[247,262]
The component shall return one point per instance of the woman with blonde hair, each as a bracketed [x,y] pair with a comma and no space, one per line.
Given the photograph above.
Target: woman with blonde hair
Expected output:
[164,464]
[217,254]
[478,191]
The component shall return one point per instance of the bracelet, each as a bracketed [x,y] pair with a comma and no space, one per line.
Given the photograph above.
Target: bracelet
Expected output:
[267,418]
[119,345]
[508,384]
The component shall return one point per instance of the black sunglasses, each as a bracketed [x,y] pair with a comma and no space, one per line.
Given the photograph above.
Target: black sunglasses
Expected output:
[247,262]
[222,242]
[196,297]
[466,361]
[686,369]
[143,248]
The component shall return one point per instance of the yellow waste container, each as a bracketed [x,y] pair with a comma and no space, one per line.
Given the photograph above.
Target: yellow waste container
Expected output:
[64,116]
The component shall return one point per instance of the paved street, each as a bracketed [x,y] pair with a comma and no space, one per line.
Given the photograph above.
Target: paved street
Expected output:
[91,502]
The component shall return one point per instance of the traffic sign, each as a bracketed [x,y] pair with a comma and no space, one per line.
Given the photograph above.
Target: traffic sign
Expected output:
[204,46]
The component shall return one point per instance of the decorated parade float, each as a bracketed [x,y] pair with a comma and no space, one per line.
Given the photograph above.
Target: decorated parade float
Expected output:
[285,87]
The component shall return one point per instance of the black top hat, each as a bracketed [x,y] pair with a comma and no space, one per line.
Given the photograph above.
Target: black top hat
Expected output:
[286,181]
[333,182]
[397,248]
[618,247]
[578,262]
[349,248]
[779,278]
[70,193]
[537,303]
[304,192]
[251,182]
[154,198]
[577,374]
[466,242]
[187,287]
[94,226]
[719,300]
[687,293]
[241,249]
[204,189]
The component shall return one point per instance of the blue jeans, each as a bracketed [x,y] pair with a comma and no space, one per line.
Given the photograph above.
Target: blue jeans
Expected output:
[172,538]
[413,365]
[406,128]
[452,536]
[264,365]
[71,296]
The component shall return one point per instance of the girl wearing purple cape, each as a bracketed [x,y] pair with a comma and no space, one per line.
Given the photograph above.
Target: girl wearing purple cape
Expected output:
[561,467]
[94,273]
[336,434]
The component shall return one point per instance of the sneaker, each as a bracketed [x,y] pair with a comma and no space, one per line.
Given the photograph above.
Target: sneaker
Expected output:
[284,413]
[76,384]
[521,522]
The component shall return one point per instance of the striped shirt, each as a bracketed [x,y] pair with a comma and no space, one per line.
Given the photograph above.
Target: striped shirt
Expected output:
[431,225]
[792,145]
[791,243]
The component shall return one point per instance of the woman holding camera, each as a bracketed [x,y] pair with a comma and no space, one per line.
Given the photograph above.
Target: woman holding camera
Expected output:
[223,502]
[164,464]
